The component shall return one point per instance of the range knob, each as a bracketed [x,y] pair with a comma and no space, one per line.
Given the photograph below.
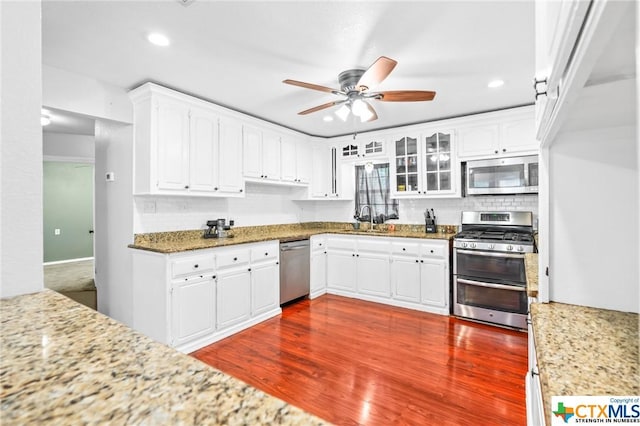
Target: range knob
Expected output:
[491,246]
[472,245]
[520,248]
[509,248]
[464,244]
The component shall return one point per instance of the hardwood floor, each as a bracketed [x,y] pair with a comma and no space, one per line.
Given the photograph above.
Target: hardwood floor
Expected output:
[354,362]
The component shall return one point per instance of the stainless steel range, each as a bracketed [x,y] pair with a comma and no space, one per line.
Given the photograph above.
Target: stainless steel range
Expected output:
[489,282]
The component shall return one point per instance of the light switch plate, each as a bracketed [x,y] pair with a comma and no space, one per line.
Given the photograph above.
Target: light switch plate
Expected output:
[110,176]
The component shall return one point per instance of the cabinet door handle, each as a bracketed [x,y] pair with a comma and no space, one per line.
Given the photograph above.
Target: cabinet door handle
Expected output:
[495,152]
[421,261]
[241,190]
[417,261]
[504,149]
[215,189]
[235,259]
[195,266]
[186,187]
[266,254]
[353,254]
[431,251]
[404,249]
[249,269]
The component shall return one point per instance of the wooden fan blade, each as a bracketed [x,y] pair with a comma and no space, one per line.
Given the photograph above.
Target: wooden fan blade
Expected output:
[377,72]
[406,96]
[374,116]
[320,107]
[310,86]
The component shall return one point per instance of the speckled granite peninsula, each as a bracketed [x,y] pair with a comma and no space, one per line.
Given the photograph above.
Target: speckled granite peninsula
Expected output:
[531,268]
[585,351]
[63,363]
[178,241]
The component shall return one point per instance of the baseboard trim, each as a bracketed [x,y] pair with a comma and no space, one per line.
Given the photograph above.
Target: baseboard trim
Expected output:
[57,262]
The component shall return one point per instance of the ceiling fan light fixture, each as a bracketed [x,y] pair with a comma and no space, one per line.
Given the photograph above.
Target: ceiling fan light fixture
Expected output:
[343,112]
[327,118]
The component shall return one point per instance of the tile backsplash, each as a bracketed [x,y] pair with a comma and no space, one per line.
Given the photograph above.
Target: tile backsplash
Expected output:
[270,205]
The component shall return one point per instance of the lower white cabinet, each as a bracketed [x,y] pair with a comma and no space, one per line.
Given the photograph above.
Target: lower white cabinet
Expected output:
[233,297]
[193,309]
[406,272]
[533,392]
[318,266]
[189,300]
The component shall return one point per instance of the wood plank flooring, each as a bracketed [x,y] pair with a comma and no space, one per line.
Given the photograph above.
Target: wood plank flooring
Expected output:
[353,362]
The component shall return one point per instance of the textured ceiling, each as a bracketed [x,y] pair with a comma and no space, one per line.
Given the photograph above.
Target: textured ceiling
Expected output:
[236,53]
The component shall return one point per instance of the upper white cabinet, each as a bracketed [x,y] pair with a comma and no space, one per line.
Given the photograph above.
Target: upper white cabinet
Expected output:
[230,179]
[368,146]
[424,165]
[502,134]
[261,158]
[295,160]
[330,180]
[179,146]
[557,28]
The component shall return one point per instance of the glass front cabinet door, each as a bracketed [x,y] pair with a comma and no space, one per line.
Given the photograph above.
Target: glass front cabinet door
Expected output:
[425,166]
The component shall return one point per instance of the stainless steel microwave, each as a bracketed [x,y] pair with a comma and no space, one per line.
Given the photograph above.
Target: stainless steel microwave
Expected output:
[515,175]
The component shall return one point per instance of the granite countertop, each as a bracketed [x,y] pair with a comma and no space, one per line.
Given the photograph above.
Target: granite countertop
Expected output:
[531,268]
[178,241]
[63,363]
[585,351]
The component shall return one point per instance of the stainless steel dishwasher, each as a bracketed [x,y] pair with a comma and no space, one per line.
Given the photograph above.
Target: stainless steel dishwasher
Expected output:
[294,270]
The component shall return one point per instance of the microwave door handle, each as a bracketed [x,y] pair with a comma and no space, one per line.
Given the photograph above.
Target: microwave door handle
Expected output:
[526,173]
[498,286]
[490,254]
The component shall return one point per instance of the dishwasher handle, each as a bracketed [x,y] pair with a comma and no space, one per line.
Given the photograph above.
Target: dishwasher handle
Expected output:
[293,248]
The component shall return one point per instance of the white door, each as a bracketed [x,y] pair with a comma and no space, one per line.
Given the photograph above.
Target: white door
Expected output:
[233,297]
[192,310]
[173,145]
[478,141]
[373,274]
[320,172]
[405,279]
[341,270]
[303,161]
[434,282]
[318,271]
[252,152]
[230,157]
[288,160]
[265,287]
[271,156]
[204,151]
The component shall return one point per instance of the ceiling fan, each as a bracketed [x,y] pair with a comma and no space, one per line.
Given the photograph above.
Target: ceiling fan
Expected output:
[354,90]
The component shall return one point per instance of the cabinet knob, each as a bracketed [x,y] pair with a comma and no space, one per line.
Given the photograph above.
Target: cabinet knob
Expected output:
[504,149]
[266,254]
[357,255]
[265,176]
[277,263]
[241,190]
[215,189]
[213,277]
[235,259]
[404,249]
[186,187]
[320,244]
[195,266]
[431,251]
[249,269]
[353,254]
[495,152]
[262,176]
[417,261]
[421,261]
[325,195]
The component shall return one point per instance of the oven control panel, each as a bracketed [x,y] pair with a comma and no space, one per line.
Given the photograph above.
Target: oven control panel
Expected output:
[504,247]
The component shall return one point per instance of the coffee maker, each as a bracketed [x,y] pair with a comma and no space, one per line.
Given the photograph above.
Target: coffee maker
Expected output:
[218,228]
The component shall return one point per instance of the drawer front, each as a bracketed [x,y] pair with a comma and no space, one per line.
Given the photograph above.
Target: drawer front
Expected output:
[405,248]
[348,244]
[264,252]
[233,258]
[433,250]
[374,244]
[192,266]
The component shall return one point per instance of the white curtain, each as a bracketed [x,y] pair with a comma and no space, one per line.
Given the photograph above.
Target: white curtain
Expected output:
[373,189]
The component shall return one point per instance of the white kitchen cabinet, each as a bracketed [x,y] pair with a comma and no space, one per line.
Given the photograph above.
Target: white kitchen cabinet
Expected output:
[318,266]
[261,158]
[189,300]
[341,270]
[233,297]
[295,161]
[373,274]
[434,280]
[230,180]
[500,134]
[405,278]
[180,148]
[533,392]
[424,165]
[330,180]
[368,147]
[192,309]
[265,281]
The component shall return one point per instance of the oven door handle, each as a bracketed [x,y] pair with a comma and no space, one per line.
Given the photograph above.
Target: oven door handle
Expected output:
[491,285]
[490,254]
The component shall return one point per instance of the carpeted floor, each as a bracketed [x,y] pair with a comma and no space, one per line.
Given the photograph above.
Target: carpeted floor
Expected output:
[74,280]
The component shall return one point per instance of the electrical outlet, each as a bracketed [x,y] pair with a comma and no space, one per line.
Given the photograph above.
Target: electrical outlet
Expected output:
[110,176]
[56,231]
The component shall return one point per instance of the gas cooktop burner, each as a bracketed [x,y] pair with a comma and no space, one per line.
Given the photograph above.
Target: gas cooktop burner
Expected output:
[519,237]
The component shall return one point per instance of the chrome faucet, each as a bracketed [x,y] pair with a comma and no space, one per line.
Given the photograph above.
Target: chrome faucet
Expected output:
[370,215]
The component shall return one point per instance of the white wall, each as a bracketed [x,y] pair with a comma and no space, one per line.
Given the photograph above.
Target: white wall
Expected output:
[594,219]
[20,149]
[114,220]
[68,146]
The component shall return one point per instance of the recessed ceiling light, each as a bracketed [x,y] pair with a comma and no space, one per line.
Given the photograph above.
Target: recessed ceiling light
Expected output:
[495,83]
[158,39]
[327,118]
[45,120]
